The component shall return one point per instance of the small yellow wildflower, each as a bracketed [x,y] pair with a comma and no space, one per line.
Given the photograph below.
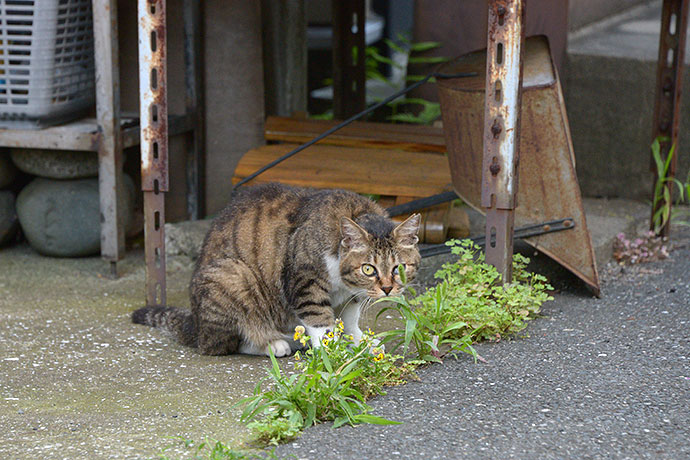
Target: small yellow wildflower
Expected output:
[329,334]
[325,342]
[297,356]
[378,357]
[299,332]
[339,324]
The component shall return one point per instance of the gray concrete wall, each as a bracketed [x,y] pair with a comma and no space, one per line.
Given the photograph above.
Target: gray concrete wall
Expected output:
[584,12]
[233,88]
[610,103]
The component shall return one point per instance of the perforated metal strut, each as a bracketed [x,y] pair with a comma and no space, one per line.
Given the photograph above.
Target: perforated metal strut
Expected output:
[501,129]
[154,141]
[669,78]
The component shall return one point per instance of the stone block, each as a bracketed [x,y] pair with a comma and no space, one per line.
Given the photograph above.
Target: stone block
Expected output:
[61,218]
[56,164]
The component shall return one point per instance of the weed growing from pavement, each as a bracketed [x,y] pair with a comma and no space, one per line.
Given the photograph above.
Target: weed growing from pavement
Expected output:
[664,213]
[332,382]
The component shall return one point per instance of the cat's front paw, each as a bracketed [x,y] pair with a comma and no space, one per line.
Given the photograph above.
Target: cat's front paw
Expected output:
[279,347]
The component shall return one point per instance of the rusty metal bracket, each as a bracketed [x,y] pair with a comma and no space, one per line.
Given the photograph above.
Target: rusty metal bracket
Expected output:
[669,79]
[154,141]
[349,89]
[502,129]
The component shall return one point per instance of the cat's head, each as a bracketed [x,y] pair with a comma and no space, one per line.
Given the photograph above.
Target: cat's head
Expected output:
[372,249]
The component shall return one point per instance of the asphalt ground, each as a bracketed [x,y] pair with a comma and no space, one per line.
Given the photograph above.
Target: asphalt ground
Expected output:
[592,378]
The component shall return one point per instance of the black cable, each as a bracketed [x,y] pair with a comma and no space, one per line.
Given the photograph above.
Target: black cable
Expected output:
[421,203]
[350,120]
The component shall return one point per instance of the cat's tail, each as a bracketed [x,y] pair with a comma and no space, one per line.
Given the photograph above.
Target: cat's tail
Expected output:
[179,322]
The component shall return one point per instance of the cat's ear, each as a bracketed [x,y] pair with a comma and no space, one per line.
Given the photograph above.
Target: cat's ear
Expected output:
[406,233]
[353,237]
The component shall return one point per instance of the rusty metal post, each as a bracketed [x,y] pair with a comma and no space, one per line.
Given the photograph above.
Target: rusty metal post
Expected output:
[669,79]
[110,136]
[154,141]
[194,109]
[501,130]
[349,85]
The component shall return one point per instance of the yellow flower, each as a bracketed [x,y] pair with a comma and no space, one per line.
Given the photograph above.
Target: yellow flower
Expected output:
[299,332]
[339,324]
[329,334]
[325,342]
[378,357]
[297,356]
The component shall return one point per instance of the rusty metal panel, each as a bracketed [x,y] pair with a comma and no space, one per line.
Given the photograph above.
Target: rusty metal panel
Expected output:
[154,142]
[669,79]
[502,129]
[548,183]
[349,88]
[109,141]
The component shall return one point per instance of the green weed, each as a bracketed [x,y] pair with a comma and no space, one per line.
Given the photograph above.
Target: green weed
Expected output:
[331,383]
[467,306]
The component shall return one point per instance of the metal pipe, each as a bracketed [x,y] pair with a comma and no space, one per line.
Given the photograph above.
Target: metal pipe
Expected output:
[154,141]
[501,129]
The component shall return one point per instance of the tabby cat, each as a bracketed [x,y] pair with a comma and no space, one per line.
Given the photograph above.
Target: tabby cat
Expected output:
[279,256]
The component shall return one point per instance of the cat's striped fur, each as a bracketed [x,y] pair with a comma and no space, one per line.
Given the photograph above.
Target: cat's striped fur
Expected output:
[280,256]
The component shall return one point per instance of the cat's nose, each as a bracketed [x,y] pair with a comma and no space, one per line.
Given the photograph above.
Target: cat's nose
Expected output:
[387,289]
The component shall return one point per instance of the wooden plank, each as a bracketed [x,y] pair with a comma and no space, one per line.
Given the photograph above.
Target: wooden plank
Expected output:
[373,171]
[78,135]
[414,138]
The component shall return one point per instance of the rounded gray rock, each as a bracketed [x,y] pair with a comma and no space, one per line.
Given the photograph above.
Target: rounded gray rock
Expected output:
[62,217]
[7,170]
[8,217]
[56,164]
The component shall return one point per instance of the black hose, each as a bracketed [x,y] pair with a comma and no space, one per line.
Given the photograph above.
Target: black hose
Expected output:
[421,203]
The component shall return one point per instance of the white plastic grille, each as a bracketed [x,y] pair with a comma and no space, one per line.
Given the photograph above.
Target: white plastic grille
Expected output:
[46,60]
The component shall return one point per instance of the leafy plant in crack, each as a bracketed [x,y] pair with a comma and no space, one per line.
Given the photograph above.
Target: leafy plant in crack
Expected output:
[468,305]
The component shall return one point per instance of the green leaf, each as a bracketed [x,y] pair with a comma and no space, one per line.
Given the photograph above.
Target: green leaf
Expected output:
[424,46]
[375,420]
[410,326]
[427,60]
[326,360]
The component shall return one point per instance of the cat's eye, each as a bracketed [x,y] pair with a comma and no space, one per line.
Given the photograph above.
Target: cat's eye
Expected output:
[368,270]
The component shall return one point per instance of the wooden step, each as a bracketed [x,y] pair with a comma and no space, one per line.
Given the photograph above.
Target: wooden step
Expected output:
[362,170]
[414,138]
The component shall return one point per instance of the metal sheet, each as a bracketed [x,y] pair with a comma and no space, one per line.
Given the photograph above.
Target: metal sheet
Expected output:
[548,183]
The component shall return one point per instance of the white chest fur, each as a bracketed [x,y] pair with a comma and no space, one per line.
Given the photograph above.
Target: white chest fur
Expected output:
[338,293]
[345,305]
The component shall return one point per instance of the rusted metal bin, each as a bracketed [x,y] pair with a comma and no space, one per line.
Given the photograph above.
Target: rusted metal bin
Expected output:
[548,188]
